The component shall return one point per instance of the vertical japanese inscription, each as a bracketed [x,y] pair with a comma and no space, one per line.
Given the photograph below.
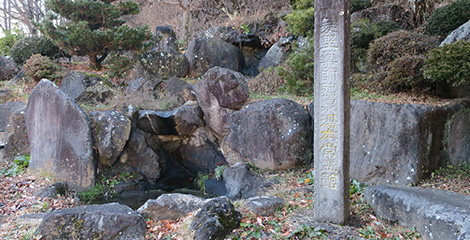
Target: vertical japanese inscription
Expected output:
[329,93]
[331,111]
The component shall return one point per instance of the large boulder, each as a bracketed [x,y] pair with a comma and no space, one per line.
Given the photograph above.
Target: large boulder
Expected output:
[273,134]
[86,87]
[111,131]
[164,64]
[461,33]
[436,214]
[215,220]
[60,137]
[108,222]
[8,68]
[220,93]
[12,122]
[171,206]
[401,144]
[207,52]
[138,155]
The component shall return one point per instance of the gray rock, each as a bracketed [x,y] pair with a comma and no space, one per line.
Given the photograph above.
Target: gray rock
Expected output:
[276,54]
[401,143]
[176,92]
[436,214]
[207,52]
[60,137]
[52,191]
[171,206]
[138,155]
[264,205]
[111,131]
[219,94]
[12,121]
[164,64]
[141,86]
[157,122]
[461,33]
[85,87]
[8,68]
[200,152]
[168,42]
[274,134]
[240,182]
[107,221]
[188,118]
[137,72]
[457,139]
[215,220]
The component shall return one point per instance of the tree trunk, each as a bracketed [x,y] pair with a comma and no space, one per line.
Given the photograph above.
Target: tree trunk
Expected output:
[95,64]
[186,24]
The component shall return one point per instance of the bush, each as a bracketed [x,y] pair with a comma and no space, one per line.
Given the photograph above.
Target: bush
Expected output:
[449,64]
[9,40]
[298,71]
[27,47]
[406,73]
[448,18]
[386,49]
[301,21]
[357,5]
[362,34]
[39,67]
[118,64]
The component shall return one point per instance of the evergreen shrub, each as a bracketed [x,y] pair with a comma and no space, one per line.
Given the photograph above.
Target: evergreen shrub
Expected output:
[301,21]
[298,71]
[448,18]
[38,67]
[405,74]
[28,46]
[449,64]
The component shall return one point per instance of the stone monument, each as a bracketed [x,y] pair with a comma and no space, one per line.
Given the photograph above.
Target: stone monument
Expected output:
[331,110]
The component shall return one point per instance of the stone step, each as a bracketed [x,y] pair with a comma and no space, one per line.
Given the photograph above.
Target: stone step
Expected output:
[436,214]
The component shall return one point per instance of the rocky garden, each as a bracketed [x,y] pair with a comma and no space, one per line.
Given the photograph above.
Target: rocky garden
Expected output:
[200,124]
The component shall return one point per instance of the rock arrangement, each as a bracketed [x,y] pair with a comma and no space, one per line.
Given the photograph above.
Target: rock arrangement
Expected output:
[210,125]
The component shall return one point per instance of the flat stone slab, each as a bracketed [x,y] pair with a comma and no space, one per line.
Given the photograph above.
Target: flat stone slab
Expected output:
[60,137]
[436,214]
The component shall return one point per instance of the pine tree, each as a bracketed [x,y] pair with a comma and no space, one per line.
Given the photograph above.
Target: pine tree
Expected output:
[94,28]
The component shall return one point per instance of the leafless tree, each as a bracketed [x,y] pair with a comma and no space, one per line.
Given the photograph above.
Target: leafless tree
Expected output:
[230,11]
[24,12]
[185,5]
